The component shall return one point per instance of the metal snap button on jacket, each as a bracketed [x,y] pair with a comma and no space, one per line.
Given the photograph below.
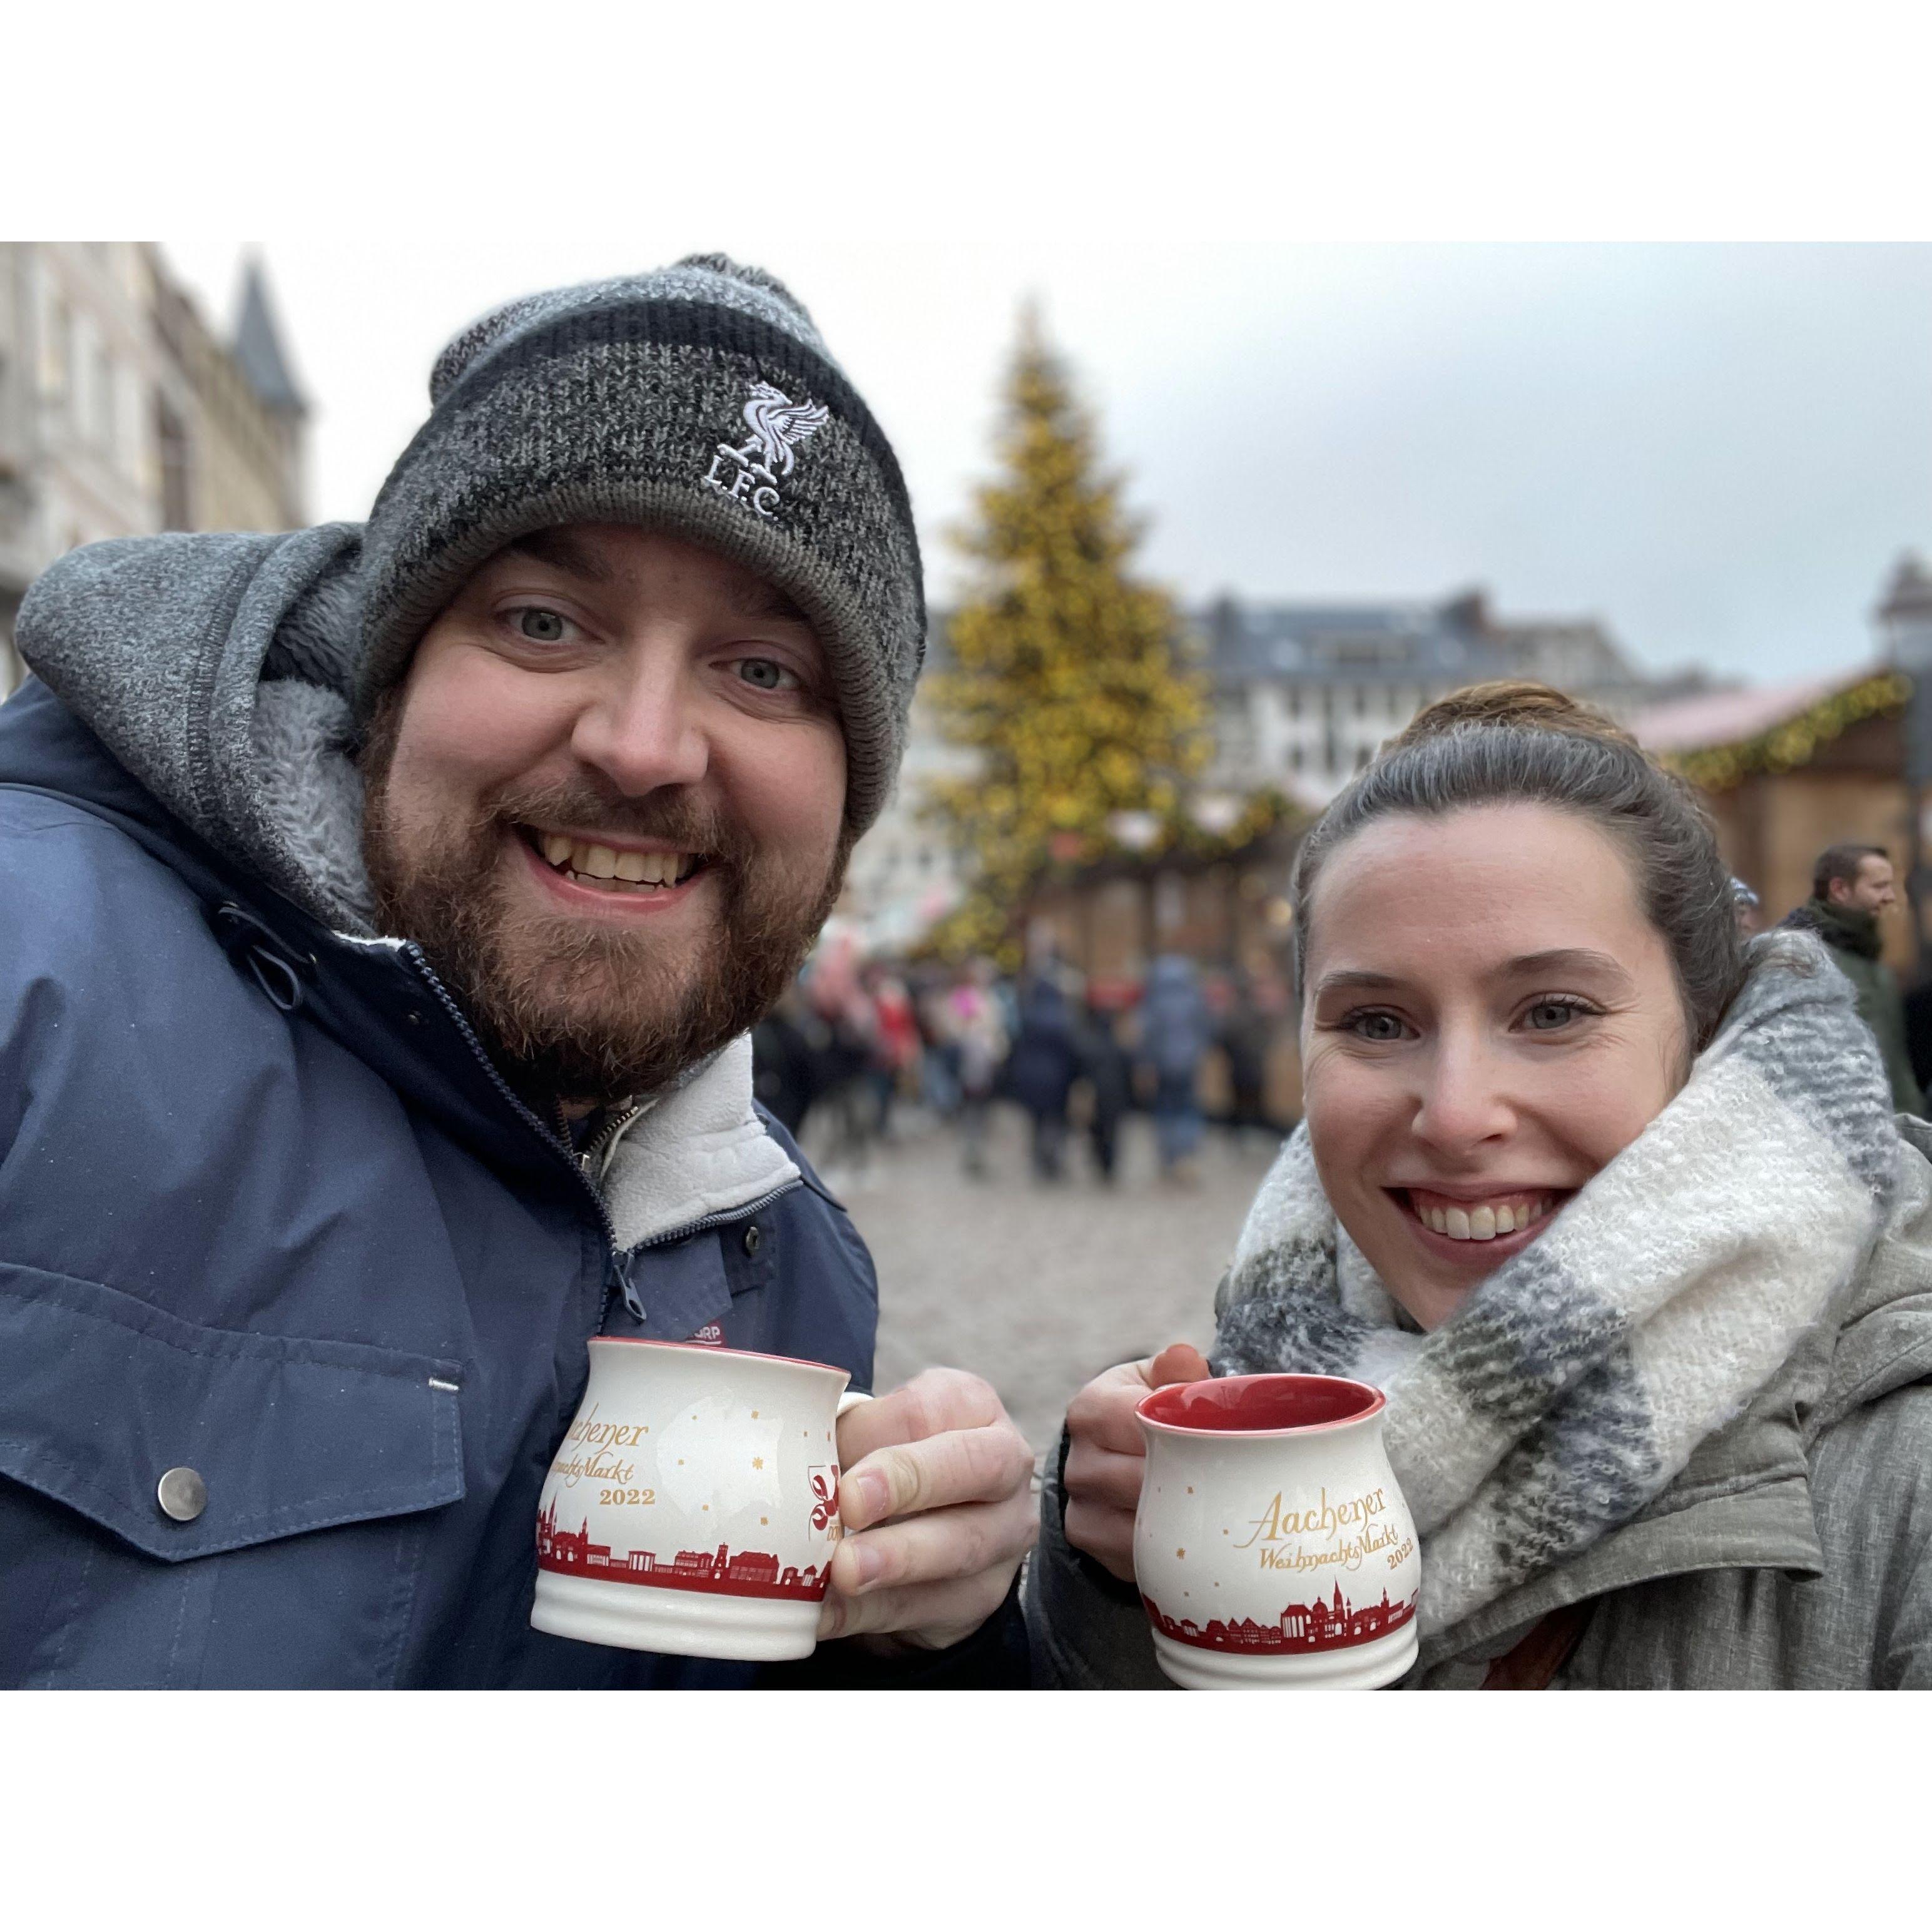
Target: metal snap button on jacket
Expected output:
[182,1494]
[753,1239]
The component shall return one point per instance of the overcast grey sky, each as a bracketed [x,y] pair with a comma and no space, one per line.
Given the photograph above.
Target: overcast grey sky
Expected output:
[1719,451]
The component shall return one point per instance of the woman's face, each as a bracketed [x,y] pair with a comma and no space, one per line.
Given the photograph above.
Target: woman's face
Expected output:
[1489,1018]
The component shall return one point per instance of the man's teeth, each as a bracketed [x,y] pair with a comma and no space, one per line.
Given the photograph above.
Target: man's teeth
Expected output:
[590,861]
[1486,1222]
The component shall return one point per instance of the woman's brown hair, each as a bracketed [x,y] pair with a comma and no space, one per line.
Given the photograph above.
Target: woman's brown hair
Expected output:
[1508,743]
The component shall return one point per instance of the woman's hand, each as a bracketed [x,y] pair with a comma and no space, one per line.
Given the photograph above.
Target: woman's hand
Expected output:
[1107,1454]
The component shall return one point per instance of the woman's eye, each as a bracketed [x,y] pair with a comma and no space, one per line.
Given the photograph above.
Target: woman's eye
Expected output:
[539,625]
[767,674]
[1380,1028]
[1551,1015]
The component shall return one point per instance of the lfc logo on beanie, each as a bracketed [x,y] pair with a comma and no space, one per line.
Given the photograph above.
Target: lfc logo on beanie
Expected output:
[778,425]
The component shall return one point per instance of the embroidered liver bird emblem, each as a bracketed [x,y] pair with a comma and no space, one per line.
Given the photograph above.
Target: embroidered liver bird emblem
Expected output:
[777,424]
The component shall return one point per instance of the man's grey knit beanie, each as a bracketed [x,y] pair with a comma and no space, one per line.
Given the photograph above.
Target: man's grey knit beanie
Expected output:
[697,400]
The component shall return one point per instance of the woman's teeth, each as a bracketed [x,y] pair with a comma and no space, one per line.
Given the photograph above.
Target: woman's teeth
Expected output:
[609,870]
[1486,1222]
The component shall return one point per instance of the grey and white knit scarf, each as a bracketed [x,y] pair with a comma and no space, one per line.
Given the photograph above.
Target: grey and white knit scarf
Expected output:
[1574,1384]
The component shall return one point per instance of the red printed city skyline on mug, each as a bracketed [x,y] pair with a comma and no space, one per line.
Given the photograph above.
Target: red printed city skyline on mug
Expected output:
[721,1572]
[1330,1625]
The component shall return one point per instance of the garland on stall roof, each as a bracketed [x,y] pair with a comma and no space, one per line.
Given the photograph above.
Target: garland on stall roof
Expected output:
[1796,741]
[976,928]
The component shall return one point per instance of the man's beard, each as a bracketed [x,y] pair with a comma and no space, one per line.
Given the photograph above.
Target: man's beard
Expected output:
[583,1009]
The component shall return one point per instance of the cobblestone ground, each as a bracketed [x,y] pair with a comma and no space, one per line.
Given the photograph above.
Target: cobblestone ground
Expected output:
[1039,1288]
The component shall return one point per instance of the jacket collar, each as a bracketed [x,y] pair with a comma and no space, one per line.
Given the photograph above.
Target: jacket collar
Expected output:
[1767,1524]
[1844,928]
[1884,1340]
[697,1154]
[1743,1502]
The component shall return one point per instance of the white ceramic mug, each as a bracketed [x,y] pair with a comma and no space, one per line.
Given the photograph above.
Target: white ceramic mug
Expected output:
[693,1507]
[1272,1547]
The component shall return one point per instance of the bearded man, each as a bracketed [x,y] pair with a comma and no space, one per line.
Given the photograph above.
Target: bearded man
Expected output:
[387,908]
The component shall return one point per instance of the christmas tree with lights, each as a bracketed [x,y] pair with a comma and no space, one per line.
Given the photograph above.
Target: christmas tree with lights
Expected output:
[1068,679]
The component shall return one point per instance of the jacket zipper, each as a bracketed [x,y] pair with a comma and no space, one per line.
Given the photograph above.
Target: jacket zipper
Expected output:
[723,1219]
[617,1271]
[605,1142]
[618,1267]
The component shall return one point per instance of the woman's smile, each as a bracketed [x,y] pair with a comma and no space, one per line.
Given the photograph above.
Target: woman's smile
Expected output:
[1477,1228]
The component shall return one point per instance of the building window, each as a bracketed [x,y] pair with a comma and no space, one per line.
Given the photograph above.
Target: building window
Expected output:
[1361,700]
[106,415]
[171,435]
[1296,757]
[1294,701]
[1363,753]
[57,351]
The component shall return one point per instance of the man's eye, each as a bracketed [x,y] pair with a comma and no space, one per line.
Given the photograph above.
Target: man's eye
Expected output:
[539,625]
[767,674]
[1381,1028]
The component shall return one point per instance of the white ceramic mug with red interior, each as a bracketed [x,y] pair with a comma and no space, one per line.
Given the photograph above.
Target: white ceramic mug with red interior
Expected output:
[1272,1548]
[693,1507]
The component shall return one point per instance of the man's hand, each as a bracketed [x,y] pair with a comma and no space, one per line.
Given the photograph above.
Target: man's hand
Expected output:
[1106,1454]
[938,1507]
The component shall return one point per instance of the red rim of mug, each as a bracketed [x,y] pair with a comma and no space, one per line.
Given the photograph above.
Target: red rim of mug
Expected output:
[711,1348]
[1256,1396]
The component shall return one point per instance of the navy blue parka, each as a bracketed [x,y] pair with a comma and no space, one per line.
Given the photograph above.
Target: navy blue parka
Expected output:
[268,1214]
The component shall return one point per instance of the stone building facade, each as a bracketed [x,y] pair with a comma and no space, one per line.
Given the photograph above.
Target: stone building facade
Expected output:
[1304,693]
[121,413]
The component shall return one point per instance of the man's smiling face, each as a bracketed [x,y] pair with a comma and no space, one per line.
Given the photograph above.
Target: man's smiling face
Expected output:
[608,802]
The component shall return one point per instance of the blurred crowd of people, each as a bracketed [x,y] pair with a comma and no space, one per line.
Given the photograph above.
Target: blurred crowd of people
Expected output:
[856,1036]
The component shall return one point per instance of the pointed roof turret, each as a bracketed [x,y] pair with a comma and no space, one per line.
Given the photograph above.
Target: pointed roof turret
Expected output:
[1908,594]
[1904,618]
[258,346]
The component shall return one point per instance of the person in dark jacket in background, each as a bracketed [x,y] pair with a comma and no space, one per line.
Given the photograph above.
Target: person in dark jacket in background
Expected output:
[1851,889]
[388,909]
[1918,1005]
[1044,1064]
[1109,1071]
[788,1050]
[1242,1033]
[1175,1035]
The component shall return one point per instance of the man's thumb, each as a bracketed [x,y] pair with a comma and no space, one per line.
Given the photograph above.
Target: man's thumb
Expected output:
[1180,1362]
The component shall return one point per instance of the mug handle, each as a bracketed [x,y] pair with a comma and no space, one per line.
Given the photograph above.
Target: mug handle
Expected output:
[851,1399]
